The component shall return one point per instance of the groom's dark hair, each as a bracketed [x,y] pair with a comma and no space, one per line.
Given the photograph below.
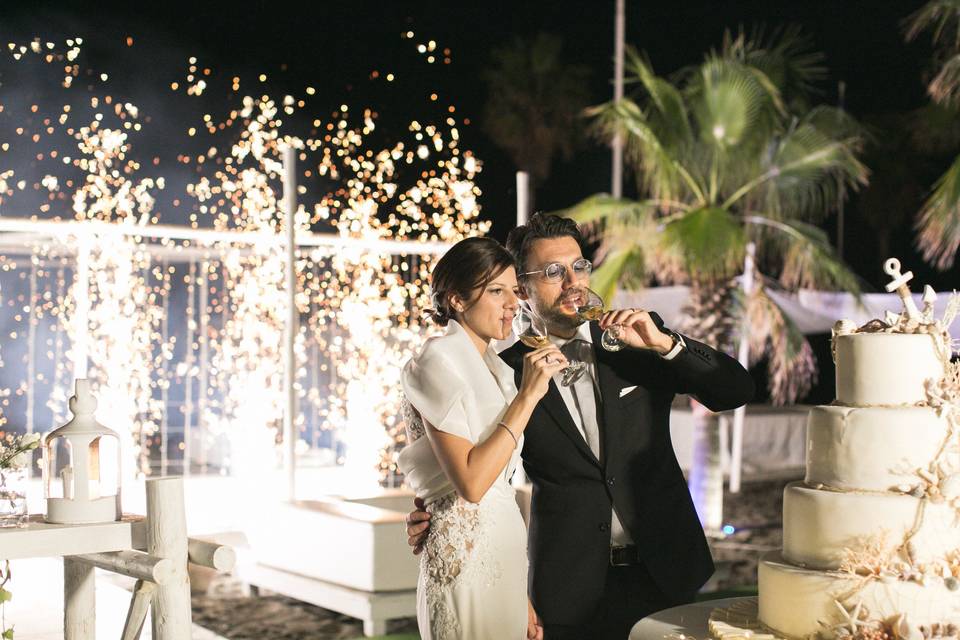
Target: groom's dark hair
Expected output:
[541,225]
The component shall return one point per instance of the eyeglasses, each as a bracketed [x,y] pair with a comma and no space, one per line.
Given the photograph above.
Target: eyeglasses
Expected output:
[557,271]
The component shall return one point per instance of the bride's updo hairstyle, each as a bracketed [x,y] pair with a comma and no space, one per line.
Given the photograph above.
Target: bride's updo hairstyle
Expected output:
[469,265]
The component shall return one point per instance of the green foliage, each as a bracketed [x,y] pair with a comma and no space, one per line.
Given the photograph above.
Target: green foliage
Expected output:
[728,153]
[938,222]
[711,241]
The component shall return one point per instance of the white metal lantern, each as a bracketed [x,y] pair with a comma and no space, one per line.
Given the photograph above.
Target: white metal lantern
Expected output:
[81,466]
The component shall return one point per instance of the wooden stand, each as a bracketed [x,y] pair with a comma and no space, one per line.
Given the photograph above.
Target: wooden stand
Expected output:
[161,571]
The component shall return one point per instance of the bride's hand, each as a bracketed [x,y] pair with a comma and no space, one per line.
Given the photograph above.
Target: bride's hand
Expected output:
[538,367]
[534,623]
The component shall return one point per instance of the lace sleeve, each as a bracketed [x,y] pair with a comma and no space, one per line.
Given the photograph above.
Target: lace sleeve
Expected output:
[412,421]
[436,392]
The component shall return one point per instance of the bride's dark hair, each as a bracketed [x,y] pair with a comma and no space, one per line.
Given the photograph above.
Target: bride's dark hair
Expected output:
[469,265]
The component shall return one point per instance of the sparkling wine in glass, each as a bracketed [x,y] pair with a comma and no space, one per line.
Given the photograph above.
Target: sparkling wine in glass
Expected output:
[531,330]
[591,308]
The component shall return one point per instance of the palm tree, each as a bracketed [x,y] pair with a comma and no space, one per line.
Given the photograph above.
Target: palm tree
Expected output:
[534,102]
[729,154]
[938,222]
[730,159]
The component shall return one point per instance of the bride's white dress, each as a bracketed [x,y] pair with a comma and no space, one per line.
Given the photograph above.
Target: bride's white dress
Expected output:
[473,571]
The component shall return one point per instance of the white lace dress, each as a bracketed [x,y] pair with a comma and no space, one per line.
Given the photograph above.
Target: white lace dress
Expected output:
[473,571]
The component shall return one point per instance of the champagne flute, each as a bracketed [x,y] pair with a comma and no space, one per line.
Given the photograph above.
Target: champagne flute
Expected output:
[590,309]
[531,330]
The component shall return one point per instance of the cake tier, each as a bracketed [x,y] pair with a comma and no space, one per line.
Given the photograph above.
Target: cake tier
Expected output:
[871,448]
[885,368]
[793,601]
[819,526]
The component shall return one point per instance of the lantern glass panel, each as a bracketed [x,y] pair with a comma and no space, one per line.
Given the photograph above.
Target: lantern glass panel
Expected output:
[104,466]
[58,471]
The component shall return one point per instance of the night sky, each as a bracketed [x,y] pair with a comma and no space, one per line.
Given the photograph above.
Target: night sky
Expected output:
[336,46]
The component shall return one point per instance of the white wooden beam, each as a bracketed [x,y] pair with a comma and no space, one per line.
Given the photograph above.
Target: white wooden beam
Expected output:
[135,564]
[167,538]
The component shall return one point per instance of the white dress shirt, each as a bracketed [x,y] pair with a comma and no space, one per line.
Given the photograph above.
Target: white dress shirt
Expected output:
[618,535]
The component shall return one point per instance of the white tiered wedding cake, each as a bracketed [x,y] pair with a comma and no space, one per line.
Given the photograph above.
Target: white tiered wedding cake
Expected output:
[871,537]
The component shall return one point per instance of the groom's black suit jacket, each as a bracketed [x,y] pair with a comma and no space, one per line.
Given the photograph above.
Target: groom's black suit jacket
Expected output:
[573,492]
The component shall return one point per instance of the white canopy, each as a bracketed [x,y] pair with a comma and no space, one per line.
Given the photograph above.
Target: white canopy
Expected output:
[812,311]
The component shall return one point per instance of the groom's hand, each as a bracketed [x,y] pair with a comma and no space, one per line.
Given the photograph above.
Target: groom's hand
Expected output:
[418,526]
[534,623]
[638,330]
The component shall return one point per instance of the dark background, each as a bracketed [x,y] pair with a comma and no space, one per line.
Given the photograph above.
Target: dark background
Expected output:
[335,46]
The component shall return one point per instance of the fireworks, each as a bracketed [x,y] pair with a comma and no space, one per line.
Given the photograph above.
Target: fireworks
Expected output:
[114,301]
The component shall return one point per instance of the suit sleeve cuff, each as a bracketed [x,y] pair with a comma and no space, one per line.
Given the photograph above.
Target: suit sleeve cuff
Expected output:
[679,346]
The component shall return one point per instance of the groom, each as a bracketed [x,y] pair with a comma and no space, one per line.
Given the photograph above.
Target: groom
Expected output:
[613,535]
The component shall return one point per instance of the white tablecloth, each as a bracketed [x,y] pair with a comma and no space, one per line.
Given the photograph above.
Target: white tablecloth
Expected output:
[689,619]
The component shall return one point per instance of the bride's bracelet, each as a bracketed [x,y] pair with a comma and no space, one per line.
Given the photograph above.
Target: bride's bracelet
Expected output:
[515,441]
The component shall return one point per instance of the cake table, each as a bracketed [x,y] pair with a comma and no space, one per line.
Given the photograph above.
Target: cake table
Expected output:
[689,620]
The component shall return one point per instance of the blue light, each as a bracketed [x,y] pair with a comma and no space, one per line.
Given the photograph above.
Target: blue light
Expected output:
[728,529]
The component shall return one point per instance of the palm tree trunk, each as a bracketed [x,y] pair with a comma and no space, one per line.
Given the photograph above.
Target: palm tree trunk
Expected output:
[706,474]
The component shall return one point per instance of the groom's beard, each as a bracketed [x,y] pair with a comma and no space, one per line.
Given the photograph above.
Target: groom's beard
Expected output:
[558,319]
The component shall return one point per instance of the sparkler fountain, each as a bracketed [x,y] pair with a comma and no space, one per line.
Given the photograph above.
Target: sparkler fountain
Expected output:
[119,270]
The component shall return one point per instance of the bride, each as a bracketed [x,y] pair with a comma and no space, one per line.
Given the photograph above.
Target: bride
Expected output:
[461,396]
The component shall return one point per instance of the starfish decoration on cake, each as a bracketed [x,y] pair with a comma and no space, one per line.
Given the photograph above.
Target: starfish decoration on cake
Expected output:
[852,619]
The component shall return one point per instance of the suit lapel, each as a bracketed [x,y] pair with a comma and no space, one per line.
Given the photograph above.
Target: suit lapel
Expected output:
[552,404]
[557,408]
[608,412]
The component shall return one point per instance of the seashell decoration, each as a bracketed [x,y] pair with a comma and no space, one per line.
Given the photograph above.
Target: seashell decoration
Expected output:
[929,300]
[844,327]
[903,630]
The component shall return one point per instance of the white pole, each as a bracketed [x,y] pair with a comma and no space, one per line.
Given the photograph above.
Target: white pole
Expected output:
[290,333]
[620,27]
[164,373]
[203,379]
[523,198]
[743,355]
[79,600]
[167,538]
[81,317]
[188,379]
[32,349]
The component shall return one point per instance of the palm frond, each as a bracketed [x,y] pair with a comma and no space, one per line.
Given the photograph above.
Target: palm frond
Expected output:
[784,54]
[809,260]
[805,172]
[940,16]
[664,97]
[603,206]
[661,175]
[606,277]
[835,123]
[732,104]
[710,240]
[945,86]
[534,101]
[792,366]
[938,223]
